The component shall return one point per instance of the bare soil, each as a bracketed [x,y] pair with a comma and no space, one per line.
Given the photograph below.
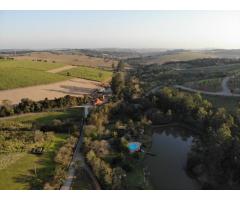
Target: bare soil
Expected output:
[68,59]
[74,87]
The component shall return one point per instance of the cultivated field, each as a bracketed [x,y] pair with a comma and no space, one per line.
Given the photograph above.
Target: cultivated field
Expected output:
[88,73]
[39,80]
[74,87]
[68,59]
[15,74]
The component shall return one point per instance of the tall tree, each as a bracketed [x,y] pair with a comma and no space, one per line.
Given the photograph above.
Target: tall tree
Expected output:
[117,84]
[120,66]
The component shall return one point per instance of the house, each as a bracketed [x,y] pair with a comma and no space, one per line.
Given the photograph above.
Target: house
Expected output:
[98,102]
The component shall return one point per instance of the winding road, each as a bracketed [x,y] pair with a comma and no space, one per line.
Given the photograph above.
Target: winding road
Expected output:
[225,89]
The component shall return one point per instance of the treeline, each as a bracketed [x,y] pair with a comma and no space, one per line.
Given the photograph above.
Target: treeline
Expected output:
[62,160]
[215,156]
[6,58]
[28,106]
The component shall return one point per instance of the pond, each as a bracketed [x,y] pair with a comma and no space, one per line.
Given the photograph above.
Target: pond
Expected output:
[170,147]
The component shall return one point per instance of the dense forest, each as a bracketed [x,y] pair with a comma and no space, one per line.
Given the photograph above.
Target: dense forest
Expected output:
[214,160]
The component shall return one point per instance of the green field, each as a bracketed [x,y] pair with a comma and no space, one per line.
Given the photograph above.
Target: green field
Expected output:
[88,73]
[23,73]
[27,64]
[15,74]
[31,170]
[23,170]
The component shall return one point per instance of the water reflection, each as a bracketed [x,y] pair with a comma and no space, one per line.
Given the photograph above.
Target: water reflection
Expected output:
[167,169]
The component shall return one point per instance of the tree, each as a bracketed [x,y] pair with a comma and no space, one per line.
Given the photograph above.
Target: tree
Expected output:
[113,66]
[117,84]
[132,89]
[120,66]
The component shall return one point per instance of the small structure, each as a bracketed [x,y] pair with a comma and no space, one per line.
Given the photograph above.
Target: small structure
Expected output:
[101,90]
[98,102]
[134,147]
[37,150]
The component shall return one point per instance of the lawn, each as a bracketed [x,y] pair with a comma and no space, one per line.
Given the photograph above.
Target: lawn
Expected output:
[88,73]
[31,170]
[15,74]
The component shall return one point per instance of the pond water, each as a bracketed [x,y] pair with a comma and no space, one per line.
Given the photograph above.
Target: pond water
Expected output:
[167,167]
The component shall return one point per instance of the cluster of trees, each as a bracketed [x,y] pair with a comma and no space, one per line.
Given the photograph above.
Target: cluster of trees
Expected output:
[7,58]
[216,151]
[111,178]
[27,105]
[62,160]
[110,128]
[59,126]
[125,85]
[19,137]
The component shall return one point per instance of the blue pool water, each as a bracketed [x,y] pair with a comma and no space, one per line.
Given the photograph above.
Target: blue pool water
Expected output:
[133,146]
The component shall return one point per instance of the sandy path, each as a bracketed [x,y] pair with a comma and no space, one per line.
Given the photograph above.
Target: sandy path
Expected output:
[61,69]
[74,87]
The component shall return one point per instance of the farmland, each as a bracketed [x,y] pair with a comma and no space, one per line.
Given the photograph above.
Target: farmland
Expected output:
[15,74]
[39,80]
[68,58]
[88,73]
[20,169]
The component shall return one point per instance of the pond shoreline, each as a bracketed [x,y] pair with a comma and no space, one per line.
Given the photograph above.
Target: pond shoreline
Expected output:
[149,146]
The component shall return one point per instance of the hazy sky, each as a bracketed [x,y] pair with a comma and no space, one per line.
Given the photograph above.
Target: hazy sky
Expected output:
[125,29]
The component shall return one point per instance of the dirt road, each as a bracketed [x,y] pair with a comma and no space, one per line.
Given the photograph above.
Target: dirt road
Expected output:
[60,69]
[78,157]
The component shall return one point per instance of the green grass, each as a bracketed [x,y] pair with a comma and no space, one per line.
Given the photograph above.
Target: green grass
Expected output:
[46,117]
[19,171]
[15,74]
[88,73]
[27,64]
[21,174]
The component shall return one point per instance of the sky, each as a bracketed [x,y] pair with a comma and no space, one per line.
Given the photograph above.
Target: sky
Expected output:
[119,29]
